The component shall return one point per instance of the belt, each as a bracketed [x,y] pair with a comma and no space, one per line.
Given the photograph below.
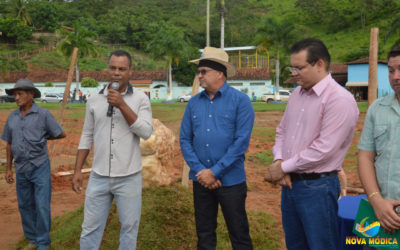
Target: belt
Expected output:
[311,176]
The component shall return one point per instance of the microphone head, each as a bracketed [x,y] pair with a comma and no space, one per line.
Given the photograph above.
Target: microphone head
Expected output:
[115,86]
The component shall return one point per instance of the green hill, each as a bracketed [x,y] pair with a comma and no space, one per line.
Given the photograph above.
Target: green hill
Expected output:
[343,25]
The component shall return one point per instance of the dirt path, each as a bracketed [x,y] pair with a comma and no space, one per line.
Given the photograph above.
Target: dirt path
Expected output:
[261,195]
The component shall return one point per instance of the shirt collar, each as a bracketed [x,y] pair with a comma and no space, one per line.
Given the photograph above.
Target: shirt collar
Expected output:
[128,90]
[321,85]
[221,91]
[34,109]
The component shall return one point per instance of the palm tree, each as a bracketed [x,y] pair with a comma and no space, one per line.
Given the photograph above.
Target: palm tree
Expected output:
[78,37]
[18,9]
[276,34]
[169,43]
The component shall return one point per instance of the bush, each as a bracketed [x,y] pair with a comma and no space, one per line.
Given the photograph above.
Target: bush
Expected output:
[48,84]
[88,82]
[13,30]
[17,65]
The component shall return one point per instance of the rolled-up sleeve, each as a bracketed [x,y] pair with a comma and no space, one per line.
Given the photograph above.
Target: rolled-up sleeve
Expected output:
[86,141]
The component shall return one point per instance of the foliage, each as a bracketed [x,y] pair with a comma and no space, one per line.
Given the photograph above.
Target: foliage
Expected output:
[89,82]
[80,38]
[45,15]
[48,84]
[4,65]
[19,10]
[13,30]
[17,65]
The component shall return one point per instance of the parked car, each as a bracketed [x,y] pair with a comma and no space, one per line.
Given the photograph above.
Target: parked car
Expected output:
[185,98]
[284,95]
[7,98]
[54,98]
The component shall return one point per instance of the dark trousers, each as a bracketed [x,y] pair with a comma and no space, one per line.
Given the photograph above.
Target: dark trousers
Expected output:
[232,200]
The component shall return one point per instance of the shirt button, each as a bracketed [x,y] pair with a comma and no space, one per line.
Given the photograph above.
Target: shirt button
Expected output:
[111,156]
[194,116]
[208,130]
[211,102]
[112,141]
[302,110]
[298,123]
[206,145]
[210,116]
[292,136]
[208,160]
[288,151]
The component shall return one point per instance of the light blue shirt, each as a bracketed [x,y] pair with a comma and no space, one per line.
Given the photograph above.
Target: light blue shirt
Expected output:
[215,134]
[381,134]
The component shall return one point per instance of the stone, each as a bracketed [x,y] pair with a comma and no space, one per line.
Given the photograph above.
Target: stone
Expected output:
[157,155]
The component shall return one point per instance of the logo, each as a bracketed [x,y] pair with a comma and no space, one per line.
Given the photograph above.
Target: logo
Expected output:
[368,229]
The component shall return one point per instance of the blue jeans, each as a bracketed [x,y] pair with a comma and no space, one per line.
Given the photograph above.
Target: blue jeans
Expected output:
[232,200]
[310,214]
[34,196]
[100,192]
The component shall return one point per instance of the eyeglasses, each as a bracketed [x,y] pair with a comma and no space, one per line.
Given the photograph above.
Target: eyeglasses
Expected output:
[297,70]
[203,71]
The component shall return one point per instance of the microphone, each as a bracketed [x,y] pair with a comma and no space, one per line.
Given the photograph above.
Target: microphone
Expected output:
[114,86]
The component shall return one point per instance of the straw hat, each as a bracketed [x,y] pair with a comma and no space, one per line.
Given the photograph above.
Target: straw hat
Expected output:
[219,56]
[24,84]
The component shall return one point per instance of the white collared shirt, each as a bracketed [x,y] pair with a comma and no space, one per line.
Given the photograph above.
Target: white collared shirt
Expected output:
[116,144]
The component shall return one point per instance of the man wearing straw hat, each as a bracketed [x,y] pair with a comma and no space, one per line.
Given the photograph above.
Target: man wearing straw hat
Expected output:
[215,134]
[26,132]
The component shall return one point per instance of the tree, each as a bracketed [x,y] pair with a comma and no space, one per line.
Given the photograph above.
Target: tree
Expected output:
[88,82]
[276,34]
[45,15]
[169,43]
[79,37]
[19,9]
[13,30]
[394,30]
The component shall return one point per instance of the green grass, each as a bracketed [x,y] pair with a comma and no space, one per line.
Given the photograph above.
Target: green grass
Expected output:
[264,157]
[167,222]
[263,134]
[167,112]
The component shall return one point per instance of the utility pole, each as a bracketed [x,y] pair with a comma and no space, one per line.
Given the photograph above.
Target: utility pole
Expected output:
[373,65]
[208,23]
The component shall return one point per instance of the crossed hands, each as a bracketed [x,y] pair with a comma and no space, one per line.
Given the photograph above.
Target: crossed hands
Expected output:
[384,211]
[207,179]
[275,175]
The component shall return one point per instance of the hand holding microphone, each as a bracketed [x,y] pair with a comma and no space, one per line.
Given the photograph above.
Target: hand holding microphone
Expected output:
[114,86]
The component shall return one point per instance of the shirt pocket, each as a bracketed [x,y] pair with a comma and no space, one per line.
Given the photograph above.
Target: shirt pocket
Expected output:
[226,119]
[196,121]
[380,138]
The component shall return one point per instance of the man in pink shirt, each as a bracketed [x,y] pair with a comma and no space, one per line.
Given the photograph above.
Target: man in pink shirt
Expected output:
[310,145]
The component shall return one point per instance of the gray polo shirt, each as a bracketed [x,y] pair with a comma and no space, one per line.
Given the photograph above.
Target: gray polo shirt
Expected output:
[28,136]
[116,144]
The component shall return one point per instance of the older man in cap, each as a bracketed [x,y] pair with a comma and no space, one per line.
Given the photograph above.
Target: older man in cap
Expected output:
[26,132]
[215,134]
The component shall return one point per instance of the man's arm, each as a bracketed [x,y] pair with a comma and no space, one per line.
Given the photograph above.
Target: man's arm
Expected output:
[60,136]
[144,117]
[384,209]
[77,178]
[10,157]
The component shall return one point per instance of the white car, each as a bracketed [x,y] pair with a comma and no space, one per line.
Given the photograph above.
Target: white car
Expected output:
[54,98]
[270,97]
[185,98]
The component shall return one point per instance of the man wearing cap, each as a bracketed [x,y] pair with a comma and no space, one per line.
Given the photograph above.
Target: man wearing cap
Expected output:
[215,134]
[26,132]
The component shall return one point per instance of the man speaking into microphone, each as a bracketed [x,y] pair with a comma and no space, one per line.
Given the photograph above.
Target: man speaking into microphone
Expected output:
[117,164]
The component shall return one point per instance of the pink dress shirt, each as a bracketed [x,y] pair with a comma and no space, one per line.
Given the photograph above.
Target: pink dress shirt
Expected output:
[316,129]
